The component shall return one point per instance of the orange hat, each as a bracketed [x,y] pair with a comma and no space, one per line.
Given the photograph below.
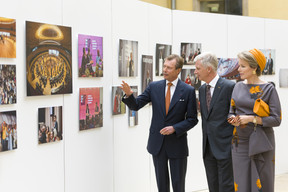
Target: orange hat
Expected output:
[260,58]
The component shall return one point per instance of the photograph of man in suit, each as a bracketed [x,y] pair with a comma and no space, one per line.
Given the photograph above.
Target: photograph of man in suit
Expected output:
[215,97]
[174,113]
[269,66]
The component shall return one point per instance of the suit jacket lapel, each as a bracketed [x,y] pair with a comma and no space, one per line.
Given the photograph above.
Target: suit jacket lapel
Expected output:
[177,94]
[203,104]
[216,92]
[161,93]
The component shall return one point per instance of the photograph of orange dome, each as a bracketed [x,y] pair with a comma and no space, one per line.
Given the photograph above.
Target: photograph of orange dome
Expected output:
[7,37]
[48,59]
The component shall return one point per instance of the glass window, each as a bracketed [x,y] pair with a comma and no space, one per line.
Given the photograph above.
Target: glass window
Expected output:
[233,7]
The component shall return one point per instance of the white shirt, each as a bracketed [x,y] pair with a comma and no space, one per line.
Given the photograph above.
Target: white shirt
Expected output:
[213,84]
[172,88]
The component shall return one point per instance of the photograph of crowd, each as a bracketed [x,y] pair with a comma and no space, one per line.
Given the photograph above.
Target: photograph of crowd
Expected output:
[90,108]
[189,51]
[7,37]
[228,68]
[8,131]
[118,107]
[50,124]
[162,51]
[147,71]
[90,56]
[188,76]
[49,59]
[270,61]
[133,115]
[283,78]
[7,84]
[128,58]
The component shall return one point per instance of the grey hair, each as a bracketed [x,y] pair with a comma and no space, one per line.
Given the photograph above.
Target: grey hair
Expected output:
[208,59]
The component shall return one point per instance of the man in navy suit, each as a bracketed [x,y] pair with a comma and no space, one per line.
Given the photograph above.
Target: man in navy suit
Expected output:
[168,130]
[215,97]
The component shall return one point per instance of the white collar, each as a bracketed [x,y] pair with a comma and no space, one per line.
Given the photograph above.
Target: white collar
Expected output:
[173,82]
[214,81]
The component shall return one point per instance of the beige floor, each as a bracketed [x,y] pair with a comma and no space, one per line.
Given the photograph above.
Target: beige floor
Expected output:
[281,183]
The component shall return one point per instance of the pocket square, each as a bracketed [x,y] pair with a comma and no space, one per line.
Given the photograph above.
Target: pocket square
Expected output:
[181,100]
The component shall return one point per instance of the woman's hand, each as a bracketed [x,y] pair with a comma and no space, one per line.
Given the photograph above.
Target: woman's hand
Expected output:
[245,119]
[234,120]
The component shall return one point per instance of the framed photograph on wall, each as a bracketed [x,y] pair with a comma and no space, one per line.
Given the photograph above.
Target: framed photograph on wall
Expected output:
[283,78]
[50,127]
[48,59]
[162,51]
[147,71]
[118,107]
[90,108]
[133,115]
[189,51]
[90,56]
[270,61]
[228,68]
[8,131]
[198,103]
[8,93]
[128,58]
[7,37]
[188,76]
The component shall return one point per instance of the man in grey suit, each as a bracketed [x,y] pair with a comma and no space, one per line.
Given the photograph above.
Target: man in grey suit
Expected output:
[214,97]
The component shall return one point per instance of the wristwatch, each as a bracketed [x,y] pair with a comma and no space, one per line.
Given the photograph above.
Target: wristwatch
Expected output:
[255,122]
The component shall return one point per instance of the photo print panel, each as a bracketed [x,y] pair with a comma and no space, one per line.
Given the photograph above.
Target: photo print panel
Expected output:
[8,84]
[90,56]
[48,59]
[147,71]
[228,68]
[270,61]
[198,103]
[283,78]
[118,107]
[188,76]
[133,115]
[162,51]
[189,51]
[128,58]
[50,127]
[7,37]
[8,131]
[90,108]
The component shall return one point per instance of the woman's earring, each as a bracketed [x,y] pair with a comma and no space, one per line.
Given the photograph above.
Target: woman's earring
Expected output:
[254,72]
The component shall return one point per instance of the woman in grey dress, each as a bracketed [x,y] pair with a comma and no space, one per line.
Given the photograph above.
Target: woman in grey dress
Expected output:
[253,172]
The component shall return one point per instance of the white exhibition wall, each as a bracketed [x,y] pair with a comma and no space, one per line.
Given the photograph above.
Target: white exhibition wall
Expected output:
[114,158]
